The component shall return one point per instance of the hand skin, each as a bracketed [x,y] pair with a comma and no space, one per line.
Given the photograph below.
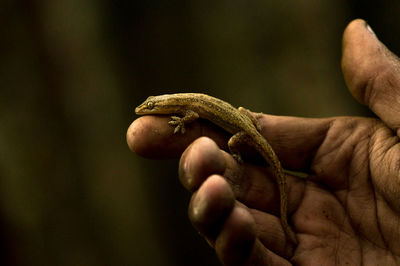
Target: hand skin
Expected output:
[347,212]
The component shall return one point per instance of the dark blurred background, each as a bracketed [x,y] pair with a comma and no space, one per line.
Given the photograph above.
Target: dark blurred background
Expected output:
[71,73]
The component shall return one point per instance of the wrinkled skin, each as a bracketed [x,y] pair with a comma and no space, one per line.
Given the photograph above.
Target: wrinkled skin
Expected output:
[345,213]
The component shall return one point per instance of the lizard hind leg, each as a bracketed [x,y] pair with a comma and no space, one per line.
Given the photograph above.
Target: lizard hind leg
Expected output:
[252,117]
[235,142]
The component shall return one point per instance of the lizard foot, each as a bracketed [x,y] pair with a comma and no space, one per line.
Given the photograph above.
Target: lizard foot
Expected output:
[178,123]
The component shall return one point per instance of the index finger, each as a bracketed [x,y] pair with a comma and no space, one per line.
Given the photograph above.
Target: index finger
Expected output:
[152,137]
[295,140]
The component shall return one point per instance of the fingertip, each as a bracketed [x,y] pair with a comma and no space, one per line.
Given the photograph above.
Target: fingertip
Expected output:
[152,137]
[136,135]
[200,160]
[210,206]
[147,134]
[360,50]
[130,136]
[356,32]
[355,24]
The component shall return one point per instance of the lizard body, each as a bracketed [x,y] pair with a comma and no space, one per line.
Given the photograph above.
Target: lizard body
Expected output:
[238,122]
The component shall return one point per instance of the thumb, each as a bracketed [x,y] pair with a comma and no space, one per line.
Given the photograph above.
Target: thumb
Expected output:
[372,72]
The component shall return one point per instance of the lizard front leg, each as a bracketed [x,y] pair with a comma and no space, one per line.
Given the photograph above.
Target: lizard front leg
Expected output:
[180,122]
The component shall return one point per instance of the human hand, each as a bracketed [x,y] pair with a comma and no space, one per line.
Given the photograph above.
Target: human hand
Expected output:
[346,212]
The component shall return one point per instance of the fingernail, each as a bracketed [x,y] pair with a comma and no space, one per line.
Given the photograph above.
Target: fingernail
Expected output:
[369,28]
[185,173]
[199,205]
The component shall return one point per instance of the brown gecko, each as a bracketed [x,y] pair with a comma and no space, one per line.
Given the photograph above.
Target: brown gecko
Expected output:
[239,122]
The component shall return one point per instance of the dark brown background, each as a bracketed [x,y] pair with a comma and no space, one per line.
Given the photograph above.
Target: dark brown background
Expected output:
[71,73]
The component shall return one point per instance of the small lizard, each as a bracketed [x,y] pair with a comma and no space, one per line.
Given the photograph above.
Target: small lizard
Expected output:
[239,122]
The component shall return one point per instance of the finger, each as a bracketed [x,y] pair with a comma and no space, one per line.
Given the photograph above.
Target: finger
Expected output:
[230,228]
[371,72]
[238,244]
[200,160]
[213,203]
[152,137]
[210,206]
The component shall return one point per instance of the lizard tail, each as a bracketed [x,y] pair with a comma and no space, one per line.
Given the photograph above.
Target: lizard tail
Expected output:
[284,222]
[269,155]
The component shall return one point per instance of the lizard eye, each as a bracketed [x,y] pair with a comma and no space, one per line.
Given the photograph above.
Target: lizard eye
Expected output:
[150,105]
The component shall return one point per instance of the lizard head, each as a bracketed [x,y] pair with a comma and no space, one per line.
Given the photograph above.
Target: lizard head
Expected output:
[162,104]
[147,107]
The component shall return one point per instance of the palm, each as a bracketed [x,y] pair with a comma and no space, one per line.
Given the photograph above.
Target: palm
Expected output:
[345,210]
